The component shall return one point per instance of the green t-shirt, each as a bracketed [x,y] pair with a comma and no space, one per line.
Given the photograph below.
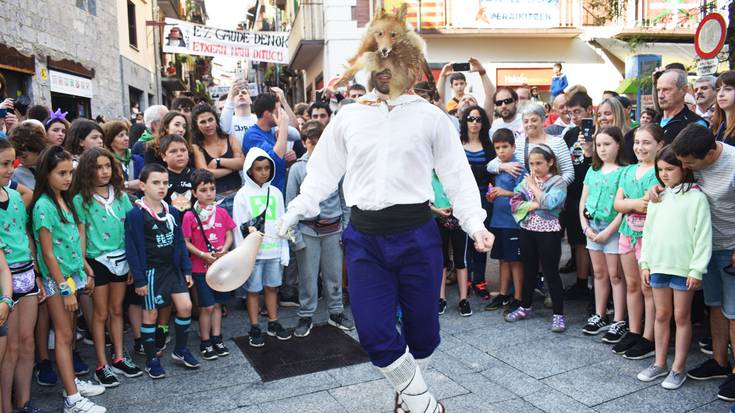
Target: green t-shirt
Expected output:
[440,198]
[105,230]
[65,238]
[13,236]
[635,189]
[601,190]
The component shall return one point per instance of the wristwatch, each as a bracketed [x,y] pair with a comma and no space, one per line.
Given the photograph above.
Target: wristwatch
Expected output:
[64,289]
[217,162]
[8,300]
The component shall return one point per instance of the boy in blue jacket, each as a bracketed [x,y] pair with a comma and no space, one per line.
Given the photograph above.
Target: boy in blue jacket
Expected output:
[160,266]
[558,81]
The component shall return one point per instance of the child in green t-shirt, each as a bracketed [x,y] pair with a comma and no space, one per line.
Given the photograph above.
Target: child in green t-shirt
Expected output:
[101,205]
[54,222]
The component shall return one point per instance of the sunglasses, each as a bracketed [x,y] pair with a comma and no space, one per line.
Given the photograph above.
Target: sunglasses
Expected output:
[471,119]
[507,101]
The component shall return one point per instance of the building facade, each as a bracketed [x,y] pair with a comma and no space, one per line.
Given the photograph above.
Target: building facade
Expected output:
[62,54]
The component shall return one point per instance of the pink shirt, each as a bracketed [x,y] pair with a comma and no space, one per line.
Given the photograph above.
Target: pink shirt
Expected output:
[216,235]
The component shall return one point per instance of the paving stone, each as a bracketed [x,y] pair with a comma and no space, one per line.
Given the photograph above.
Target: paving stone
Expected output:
[309,403]
[718,406]
[488,391]
[259,392]
[357,373]
[512,379]
[474,403]
[552,401]
[691,395]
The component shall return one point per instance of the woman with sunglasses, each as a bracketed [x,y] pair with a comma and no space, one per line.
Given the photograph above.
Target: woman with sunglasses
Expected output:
[474,129]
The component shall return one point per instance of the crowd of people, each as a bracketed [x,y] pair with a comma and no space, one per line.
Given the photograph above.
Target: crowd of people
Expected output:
[109,226]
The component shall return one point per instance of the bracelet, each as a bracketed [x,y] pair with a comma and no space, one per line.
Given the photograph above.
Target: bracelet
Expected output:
[8,300]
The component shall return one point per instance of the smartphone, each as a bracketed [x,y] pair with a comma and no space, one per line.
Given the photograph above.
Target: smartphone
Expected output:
[588,128]
[461,67]
[3,112]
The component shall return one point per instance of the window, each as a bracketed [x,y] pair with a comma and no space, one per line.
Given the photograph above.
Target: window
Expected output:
[132,32]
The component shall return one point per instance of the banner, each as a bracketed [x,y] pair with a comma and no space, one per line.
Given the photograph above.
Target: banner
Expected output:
[70,84]
[195,39]
[506,14]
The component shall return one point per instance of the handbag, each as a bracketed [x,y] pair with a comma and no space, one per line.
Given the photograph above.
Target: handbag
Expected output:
[115,261]
[24,277]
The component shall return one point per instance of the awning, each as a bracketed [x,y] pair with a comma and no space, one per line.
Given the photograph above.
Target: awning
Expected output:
[670,52]
[629,86]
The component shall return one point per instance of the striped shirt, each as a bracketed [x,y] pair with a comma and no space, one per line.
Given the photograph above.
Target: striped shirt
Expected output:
[557,145]
[717,181]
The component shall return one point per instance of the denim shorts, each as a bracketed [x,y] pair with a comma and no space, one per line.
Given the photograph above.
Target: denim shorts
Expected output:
[52,289]
[610,246]
[266,273]
[719,286]
[675,282]
[206,296]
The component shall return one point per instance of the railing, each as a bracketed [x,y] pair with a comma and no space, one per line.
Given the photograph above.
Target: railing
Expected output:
[308,23]
[652,14]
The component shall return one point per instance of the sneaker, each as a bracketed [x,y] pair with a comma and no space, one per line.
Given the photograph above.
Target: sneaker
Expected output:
[705,345]
[644,348]
[442,306]
[570,266]
[80,367]
[207,351]
[577,292]
[83,405]
[87,337]
[652,372]
[126,367]
[304,327]
[275,329]
[45,374]
[155,369]
[616,332]
[464,308]
[481,290]
[288,300]
[138,347]
[547,301]
[86,388]
[184,356]
[29,408]
[519,314]
[219,347]
[596,325]
[497,302]
[674,380]
[512,306]
[630,340]
[336,320]
[105,377]
[256,338]
[539,288]
[709,370]
[727,389]
[558,324]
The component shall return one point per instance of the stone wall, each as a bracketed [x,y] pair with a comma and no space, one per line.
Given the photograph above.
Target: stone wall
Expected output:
[61,29]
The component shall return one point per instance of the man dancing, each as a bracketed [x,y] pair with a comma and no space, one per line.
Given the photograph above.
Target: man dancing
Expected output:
[386,149]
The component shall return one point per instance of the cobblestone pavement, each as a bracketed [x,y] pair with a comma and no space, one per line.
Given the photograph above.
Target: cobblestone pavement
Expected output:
[483,365]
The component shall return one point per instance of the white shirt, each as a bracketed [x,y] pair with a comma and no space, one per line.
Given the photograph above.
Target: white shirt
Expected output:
[387,158]
[516,125]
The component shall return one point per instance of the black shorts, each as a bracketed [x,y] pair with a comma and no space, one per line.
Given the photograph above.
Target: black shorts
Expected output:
[131,298]
[570,221]
[18,296]
[507,246]
[103,276]
[162,282]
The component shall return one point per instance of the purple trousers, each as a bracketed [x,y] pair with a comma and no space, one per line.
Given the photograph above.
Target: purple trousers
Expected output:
[385,271]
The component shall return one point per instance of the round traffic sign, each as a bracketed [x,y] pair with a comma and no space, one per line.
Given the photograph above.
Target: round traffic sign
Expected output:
[710,36]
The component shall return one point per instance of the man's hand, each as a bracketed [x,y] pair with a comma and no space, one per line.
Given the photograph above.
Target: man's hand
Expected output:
[483,240]
[476,66]
[513,168]
[282,119]
[235,89]
[447,69]
[443,212]
[290,156]
[279,94]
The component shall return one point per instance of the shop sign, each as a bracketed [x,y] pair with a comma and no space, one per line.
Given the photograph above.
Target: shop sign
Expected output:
[505,14]
[61,82]
[528,76]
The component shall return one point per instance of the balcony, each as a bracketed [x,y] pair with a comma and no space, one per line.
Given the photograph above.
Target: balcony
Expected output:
[172,8]
[307,34]
[653,20]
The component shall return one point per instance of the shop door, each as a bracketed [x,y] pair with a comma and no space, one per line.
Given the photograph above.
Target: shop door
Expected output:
[78,107]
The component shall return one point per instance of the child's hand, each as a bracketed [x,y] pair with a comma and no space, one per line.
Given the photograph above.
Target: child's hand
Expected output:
[130,279]
[590,233]
[41,291]
[602,236]
[693,283]
[641,205]
[646,278]
[189,281]
[4,312]
[533,205]
[89,287]
[70,303]
[252,229]
[531,182]
[208,257]
[654,193]
[142,291]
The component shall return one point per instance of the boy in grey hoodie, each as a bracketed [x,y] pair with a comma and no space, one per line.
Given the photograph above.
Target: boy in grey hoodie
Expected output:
[318,244]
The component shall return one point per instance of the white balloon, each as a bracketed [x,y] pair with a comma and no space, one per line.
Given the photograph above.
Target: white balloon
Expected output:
[234,268]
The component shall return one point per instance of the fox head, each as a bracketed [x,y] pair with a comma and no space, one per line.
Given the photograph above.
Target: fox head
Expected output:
[387,29]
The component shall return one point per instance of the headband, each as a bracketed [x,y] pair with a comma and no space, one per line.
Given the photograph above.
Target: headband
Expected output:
[58,115]
[544,147]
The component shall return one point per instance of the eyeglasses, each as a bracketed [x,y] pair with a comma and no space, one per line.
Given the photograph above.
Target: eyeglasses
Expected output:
[471,119]
[507,101]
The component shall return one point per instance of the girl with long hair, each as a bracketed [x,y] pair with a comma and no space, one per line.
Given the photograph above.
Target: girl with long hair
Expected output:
[723,120]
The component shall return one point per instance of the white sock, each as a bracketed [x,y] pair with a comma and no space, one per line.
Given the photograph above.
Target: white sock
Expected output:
[72,399]
[405,376]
